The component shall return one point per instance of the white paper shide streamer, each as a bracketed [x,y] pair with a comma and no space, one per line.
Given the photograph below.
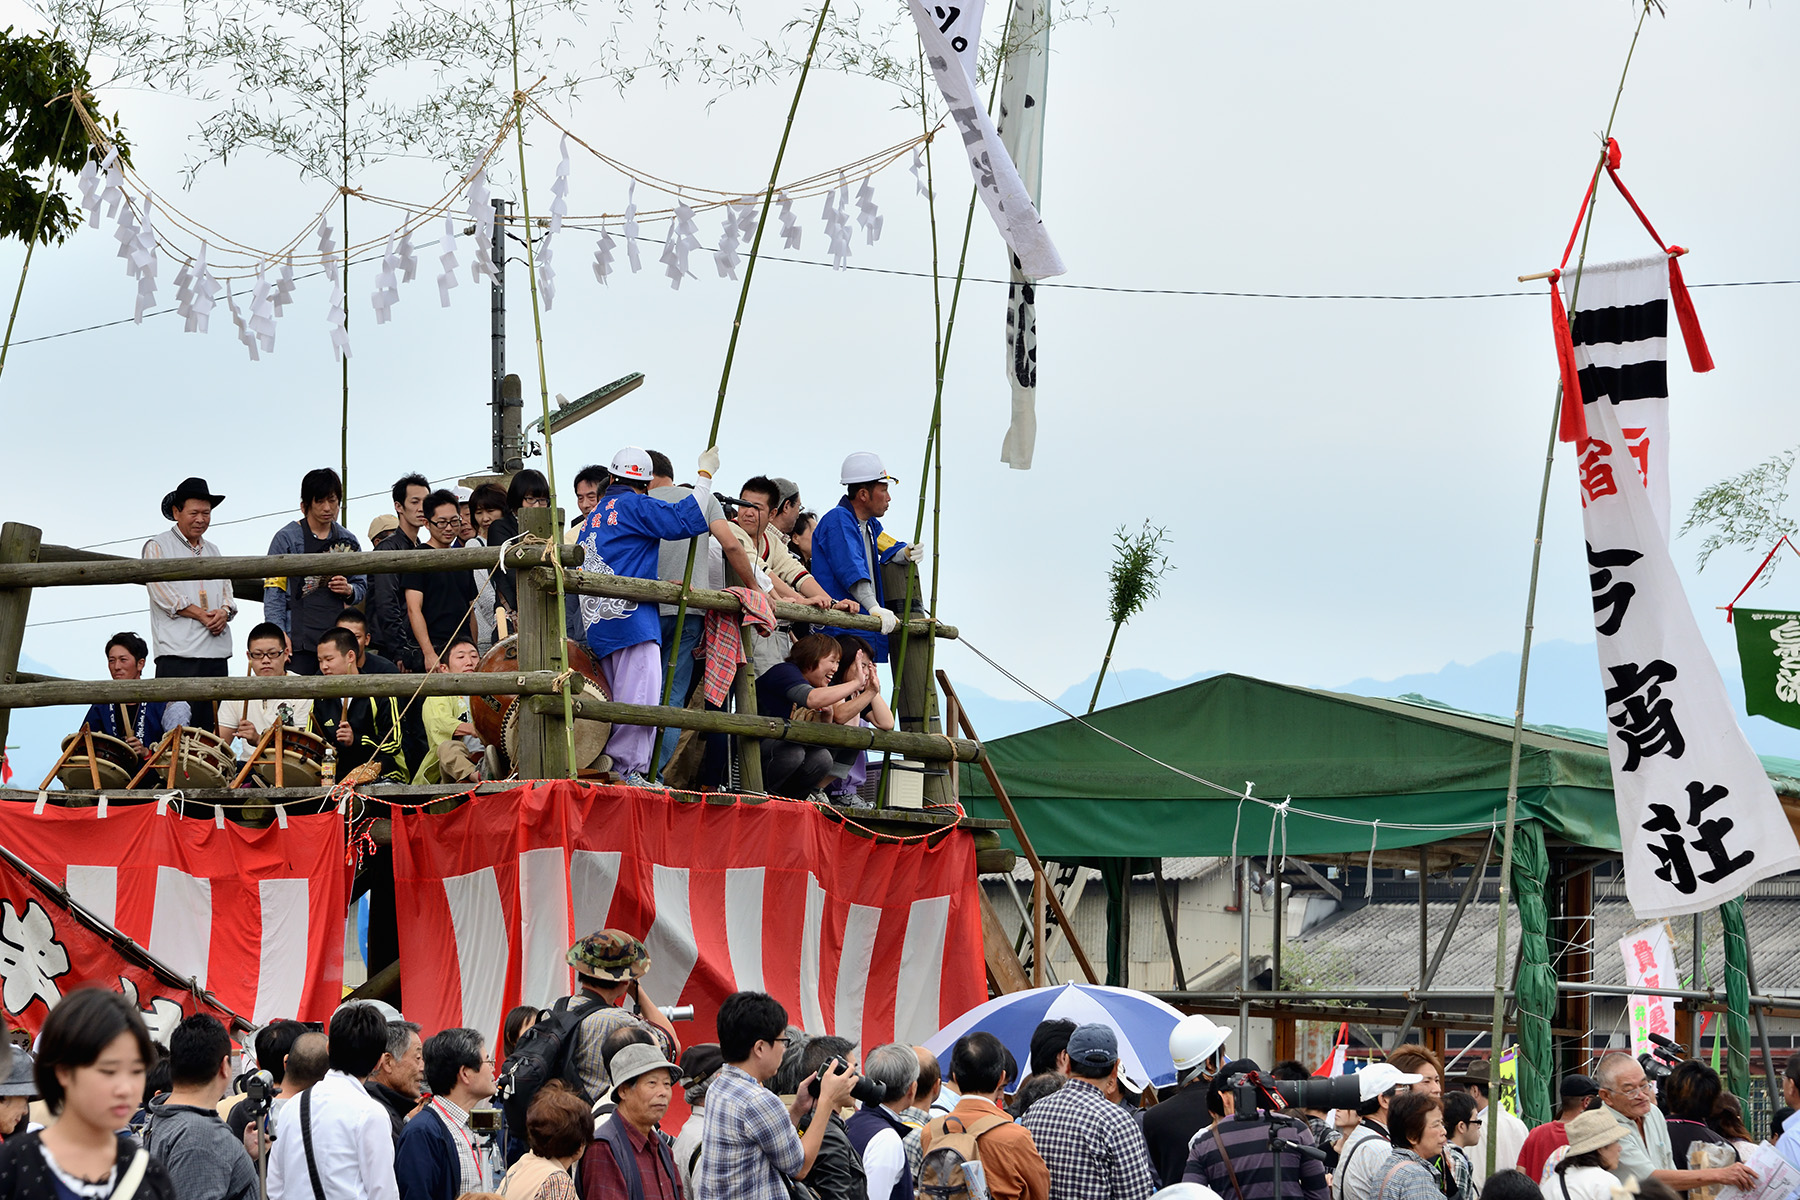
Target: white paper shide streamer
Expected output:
[447,261]
[680,243]
[481,213]
[387,284]
[790,226]
[335,315]
[559,208]
[631,229]
[949,49]
[603,254]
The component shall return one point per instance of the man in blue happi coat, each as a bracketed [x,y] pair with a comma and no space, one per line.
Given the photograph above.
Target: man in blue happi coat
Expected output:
[849,547]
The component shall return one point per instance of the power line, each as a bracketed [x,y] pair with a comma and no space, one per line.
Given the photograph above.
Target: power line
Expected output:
[130,612]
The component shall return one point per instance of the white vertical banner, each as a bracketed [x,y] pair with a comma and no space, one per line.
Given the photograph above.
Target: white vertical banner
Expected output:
[1022,84]
[1698,819]
[951,36]
[1649,963]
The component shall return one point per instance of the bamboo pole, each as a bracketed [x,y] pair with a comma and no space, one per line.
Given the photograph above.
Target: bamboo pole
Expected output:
[737,326]
[289,687]
[18,543]
[748,725]
[176,570]
[1537,553]
[657,591]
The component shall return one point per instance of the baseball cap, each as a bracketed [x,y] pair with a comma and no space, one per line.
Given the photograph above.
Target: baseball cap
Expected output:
[787,489]
[698,1063]
[632,463]
[1579,1085]
[1377,1078]
[864,466]
[1094,1046]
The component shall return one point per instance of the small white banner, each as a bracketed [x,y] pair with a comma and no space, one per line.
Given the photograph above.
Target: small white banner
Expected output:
[1649,963]
[951,35]
[1698,820]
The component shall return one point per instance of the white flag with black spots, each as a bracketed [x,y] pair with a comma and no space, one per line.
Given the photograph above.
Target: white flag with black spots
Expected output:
[1021,128]
[1698,819]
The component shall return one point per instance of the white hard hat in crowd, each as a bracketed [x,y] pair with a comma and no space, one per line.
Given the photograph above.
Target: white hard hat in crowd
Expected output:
[1186,1190]
[1194,1040]
[864,467]
[632,463]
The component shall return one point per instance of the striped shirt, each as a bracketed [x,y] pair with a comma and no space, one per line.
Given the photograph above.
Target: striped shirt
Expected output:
[1250,1175]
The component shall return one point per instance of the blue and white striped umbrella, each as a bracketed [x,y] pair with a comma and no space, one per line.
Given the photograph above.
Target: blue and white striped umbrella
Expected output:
[1142,1023]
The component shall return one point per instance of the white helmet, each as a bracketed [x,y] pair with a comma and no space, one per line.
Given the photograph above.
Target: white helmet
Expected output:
[633,464]
[1186,1191]
[1194,1040]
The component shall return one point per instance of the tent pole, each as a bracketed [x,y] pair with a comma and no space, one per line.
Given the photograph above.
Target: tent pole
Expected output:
[1762,1026]
[1424,915]
[1169,926]
[1244,959]
[1469,892]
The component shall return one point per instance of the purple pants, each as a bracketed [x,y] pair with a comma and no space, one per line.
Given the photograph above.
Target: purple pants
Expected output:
[633,675]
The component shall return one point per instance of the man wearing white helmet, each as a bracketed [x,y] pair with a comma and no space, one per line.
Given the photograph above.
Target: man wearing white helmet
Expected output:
[849,547]
[1197,1047]
[623,535]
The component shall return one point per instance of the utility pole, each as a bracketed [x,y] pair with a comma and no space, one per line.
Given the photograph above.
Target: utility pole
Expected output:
[507,400]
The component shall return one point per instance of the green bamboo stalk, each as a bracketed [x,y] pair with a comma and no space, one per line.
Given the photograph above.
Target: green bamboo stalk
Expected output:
[1537,551]
[344,161]
[1094,700]
[737,325]
[559,648]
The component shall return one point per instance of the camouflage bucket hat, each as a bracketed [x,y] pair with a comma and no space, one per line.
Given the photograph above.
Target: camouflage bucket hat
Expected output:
[611,955]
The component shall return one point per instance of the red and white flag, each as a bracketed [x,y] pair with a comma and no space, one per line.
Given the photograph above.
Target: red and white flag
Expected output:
[1334,1062]
[254,916]
[874,943]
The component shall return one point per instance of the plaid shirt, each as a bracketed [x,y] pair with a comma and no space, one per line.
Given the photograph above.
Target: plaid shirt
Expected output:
[749,1143]
[1094,1148]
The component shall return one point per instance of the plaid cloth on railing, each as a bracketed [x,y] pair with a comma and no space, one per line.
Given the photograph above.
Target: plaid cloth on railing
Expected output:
[724,646]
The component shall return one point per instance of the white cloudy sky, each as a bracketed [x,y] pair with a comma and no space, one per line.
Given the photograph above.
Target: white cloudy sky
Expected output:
[1350,485]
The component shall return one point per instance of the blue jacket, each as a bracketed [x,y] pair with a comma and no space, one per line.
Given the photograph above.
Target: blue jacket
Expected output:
[624,536]
[152,720]
[862,1127]
[279,590]
[425,1164]
[839,559]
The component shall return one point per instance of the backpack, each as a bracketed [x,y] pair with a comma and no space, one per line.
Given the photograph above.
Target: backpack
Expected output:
[945,1173]
[543,1053]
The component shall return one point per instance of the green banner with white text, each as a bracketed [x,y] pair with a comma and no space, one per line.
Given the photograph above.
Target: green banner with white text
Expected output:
[1769,651]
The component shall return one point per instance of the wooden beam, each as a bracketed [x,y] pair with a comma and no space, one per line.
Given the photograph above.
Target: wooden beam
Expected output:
[811,733]
[85,573]
[543,744]
[1004,971]
[290,687]
[655,591]
[1012,816]
[18,544]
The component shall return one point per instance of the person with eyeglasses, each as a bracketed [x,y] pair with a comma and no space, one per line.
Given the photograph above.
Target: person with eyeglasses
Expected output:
[1630,1100]
[440,1155]
[439,604]
[248,720]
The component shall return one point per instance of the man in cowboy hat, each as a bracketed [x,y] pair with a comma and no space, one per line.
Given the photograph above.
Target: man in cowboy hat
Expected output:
[188,619]
[608,965]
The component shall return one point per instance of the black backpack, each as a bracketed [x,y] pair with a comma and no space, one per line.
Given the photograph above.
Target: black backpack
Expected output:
[543,1054]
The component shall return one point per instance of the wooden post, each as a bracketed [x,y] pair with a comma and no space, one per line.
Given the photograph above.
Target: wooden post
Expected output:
[18,544]
[543,745]
[749,748]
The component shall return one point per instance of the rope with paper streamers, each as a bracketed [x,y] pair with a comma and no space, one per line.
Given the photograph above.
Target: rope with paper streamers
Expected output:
[242,259]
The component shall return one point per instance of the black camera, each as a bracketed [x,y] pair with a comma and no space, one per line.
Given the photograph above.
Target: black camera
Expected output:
[1665,1055]
[258,1088]
[1253,1092]
[866,1090]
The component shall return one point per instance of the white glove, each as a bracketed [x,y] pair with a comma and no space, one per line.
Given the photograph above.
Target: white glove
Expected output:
[709,462]
[889,622]
[914,552]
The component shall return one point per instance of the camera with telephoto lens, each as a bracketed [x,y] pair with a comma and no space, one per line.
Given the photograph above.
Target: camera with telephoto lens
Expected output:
[867,1090]
[258,1088]
[1665,1055]
[1255,1093]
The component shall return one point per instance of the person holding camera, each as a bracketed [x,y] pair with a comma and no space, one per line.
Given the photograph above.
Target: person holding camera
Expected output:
[837,1171]
[750,1148]
[1094,1148]
[1233,1155]
[608,966]
[203,1159]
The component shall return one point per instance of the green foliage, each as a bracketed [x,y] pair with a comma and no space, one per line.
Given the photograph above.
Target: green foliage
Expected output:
[1745,510]
[37,73]
[1139,565]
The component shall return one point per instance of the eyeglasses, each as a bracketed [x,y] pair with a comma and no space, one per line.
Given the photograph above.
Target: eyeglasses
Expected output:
[781,1041]
[1642,1087]
[266,655]
[447,522]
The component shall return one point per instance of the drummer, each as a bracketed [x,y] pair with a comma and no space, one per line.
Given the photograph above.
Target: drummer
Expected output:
[361,728]
[139,726]
[267,649]
[456,751]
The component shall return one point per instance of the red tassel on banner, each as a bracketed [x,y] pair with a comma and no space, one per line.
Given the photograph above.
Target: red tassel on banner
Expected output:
[1699,357]
[1573,426]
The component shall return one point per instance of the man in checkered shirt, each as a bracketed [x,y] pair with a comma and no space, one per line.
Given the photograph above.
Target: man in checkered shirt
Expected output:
[750,1143]
[1095,1149]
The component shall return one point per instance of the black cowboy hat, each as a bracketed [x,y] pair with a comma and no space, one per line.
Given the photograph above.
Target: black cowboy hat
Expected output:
[191,488]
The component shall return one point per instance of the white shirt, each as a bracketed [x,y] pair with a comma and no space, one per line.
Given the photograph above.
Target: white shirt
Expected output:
[263,713]
[1359,1174]
[686,1142]
[1584,1183]
[353,1144]
[184,636]
[1511,1134]
[883,1160]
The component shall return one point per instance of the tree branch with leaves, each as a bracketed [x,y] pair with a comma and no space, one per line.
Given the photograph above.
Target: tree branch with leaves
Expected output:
[1140,563]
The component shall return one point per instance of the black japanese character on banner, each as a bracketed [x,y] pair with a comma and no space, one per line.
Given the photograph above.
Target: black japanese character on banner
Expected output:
[1608,594]
[1646,719]
[1677,868]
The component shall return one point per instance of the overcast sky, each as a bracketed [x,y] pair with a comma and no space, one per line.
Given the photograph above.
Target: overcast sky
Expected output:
[1349,484]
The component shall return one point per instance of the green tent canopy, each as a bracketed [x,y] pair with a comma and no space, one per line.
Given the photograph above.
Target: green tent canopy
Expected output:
[1353,758]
